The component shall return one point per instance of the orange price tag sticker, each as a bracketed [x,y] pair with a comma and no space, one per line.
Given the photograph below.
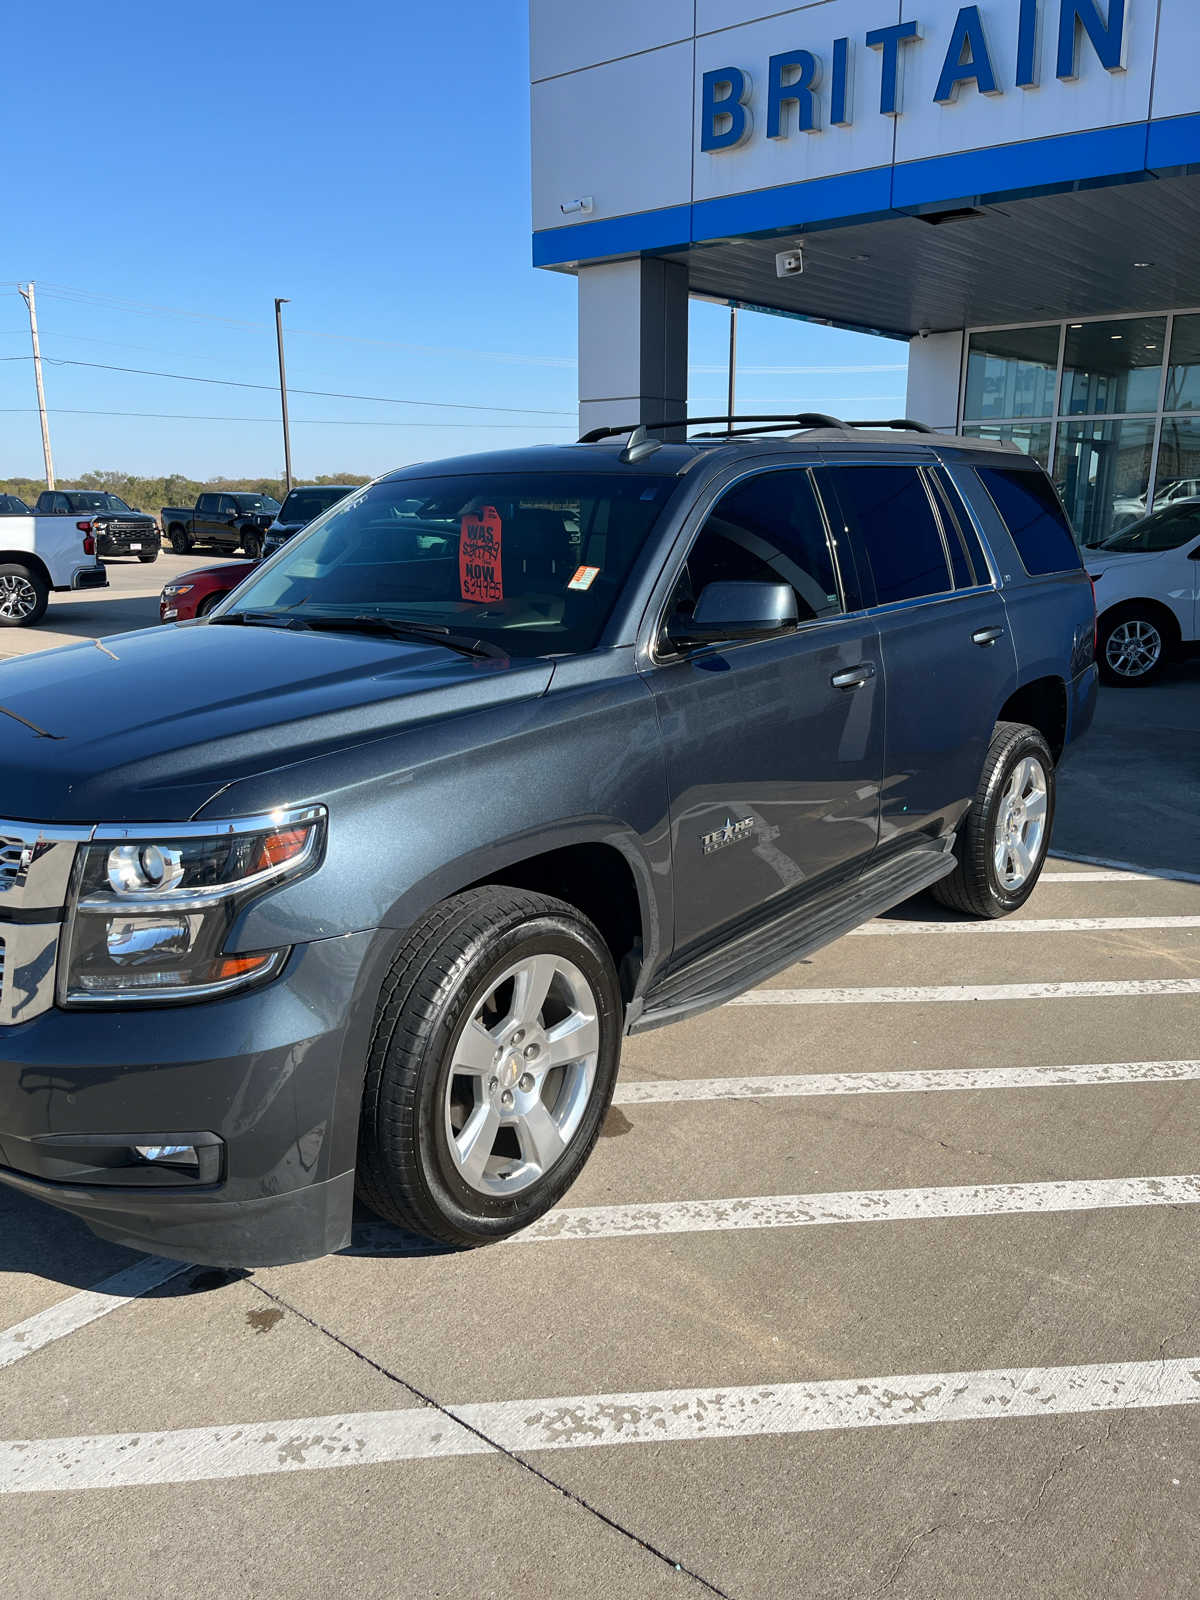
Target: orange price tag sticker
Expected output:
[479,573]
[584,577]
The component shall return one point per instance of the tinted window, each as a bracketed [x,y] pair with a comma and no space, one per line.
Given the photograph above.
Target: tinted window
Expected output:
[966,556]
[207,503]
[1033,516]
[768,529]
[888,511]
[532,562]
[1165,530]
[302,505]
[252,502]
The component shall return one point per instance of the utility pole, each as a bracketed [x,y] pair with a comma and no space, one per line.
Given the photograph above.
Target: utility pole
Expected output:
[26,293]
[732,360]
[287,436]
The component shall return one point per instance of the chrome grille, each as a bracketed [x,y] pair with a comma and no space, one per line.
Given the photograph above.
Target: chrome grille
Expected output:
[10,861]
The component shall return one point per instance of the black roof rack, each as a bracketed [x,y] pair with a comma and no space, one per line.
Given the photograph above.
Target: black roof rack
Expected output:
[775,423]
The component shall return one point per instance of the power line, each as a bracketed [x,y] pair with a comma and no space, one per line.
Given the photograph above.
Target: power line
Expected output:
[316,422]
[320,394]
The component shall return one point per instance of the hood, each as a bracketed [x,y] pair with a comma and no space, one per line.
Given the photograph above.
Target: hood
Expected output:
[149,726]
[1100,560]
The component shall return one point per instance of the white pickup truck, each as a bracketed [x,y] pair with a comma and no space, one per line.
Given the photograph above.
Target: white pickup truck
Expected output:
[38,555]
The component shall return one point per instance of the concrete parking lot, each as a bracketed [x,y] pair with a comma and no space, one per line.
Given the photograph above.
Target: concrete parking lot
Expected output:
[881,1282]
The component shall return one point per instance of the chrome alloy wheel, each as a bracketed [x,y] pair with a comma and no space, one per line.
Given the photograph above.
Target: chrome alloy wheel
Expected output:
[1133,648]
[18,597]
[521,1074]
[1020,831]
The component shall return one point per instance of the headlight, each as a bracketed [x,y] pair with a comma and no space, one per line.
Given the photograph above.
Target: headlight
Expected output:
[151,909]
[172,590]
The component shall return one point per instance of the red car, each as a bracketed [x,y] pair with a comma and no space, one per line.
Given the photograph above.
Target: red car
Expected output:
[194,594]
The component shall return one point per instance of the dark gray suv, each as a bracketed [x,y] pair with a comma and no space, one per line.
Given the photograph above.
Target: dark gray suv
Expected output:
[354,885]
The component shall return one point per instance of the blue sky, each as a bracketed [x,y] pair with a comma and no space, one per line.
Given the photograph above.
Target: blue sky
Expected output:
[182,167]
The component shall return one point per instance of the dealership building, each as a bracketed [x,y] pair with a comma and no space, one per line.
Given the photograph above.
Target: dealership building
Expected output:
[1012,187]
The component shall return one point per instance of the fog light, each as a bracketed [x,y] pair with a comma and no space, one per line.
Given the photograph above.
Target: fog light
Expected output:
[168,1152]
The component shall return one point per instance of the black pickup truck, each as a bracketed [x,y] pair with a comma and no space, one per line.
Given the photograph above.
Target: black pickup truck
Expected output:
[356,883]
[225,520]
[118,529]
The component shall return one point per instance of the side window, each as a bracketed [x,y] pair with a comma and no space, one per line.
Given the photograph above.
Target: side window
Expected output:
[887,510]
[967,559]
[1031,512]
[206,505]
[766,529]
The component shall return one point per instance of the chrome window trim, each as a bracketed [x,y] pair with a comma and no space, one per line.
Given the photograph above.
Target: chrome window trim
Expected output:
[264,822]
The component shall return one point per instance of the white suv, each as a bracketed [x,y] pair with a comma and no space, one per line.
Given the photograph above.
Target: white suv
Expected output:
[1147,580]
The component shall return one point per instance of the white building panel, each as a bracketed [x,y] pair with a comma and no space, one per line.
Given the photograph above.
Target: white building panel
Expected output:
[618,135]
[762,163]
[1098,99]
[1176,89]
[566,35]
[714,14]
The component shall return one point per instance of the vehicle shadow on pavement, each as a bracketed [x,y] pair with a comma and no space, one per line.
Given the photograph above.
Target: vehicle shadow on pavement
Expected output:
[41,1242]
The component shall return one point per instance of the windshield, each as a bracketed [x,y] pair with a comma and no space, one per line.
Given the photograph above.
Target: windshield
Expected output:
[302,505]
[1165,530]
[256,502]
[88,502]
[531,562]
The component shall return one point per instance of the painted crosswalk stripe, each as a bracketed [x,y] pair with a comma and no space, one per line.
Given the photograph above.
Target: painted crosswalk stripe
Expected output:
[575,1422]
[954,1203]
[916,1082]
[949,994]
[76,1312]
[1035,925]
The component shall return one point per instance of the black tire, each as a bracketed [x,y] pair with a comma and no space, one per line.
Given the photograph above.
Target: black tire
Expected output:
[1149,638]
[252,544]
[210,602]
[181,544]
[147,556]
[24,595]
[975,886]
[406,1170]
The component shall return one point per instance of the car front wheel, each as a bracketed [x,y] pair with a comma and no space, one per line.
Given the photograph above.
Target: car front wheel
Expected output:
[1003,839]
[1134,647]
[491,1067]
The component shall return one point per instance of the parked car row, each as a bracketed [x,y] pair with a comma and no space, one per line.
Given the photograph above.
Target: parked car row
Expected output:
[226,521]
[194,594]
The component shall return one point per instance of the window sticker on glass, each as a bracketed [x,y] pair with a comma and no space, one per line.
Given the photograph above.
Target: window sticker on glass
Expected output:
[584,577]
[479,572]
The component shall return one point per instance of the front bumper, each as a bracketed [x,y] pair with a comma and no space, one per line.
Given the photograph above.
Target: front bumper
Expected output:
[272,1078]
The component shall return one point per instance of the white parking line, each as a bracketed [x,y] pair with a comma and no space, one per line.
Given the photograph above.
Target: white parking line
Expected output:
[1035,925]
[573,1422]
[1137,869]
[76,1312]
[1096,877]
[951,993]
[858,1205]
[918,1082]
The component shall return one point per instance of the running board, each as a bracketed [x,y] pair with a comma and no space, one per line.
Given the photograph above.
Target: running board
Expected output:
[718,975]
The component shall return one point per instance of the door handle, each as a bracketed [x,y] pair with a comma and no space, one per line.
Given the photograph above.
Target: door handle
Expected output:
[853,677]
[986,636]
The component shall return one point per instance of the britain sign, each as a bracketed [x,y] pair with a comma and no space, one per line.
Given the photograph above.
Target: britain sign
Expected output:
[807,92]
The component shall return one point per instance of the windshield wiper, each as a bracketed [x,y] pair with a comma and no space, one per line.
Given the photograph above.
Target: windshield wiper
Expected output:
[426,632]
[261,619]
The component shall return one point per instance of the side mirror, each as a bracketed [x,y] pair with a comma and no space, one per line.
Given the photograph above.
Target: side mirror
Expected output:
[726,612]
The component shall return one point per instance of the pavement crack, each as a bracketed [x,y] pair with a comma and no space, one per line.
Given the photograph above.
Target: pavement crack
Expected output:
[922,1533]
[493,1444]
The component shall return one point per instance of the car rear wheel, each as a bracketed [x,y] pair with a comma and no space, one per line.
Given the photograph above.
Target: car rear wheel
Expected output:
[1135,647]
[1003,840]
[180,543]
[24,595]
[491,1067]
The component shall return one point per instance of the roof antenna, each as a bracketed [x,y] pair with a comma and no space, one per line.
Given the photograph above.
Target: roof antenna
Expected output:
[640,445]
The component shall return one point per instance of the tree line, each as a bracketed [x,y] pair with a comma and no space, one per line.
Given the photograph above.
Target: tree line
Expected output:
[151,494]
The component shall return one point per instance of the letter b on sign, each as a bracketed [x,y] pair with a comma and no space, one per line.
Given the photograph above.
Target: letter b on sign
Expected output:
[725,120]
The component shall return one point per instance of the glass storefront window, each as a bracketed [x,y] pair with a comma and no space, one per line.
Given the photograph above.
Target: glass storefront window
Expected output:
[1113,366]
[1178,462]
[1012,373]
[1032,437]
[1102,471]
[1183,378]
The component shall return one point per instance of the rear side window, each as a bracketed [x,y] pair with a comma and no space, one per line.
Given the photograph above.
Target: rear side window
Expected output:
[1034,518]
[767,529]
[892,521]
